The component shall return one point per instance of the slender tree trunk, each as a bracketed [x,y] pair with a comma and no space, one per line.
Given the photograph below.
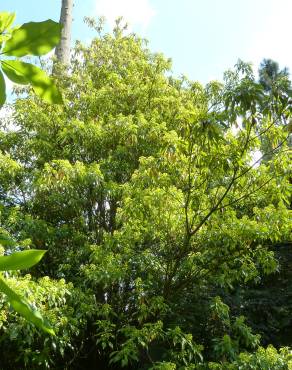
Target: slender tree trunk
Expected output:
[63,49]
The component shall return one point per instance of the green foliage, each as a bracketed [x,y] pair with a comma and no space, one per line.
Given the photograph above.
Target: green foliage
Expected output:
[21,306]
[28,39]
[19,261]
[34,38]
[262,359]
[237,334]
[26,73]
[272,78]
[144,191]
[66,309]
[6,20]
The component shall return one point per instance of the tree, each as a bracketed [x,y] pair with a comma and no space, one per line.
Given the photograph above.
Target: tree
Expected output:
[277,88]
[150,206]
[272,78]
[63,49]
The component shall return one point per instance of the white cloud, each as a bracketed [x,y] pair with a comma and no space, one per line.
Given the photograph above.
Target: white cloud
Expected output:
[135,12]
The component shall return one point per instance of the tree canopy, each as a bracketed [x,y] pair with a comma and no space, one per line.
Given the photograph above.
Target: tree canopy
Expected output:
[146,193]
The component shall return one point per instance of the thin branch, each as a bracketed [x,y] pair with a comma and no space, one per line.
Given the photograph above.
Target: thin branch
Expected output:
[234,178]
[193,232]
[258,160]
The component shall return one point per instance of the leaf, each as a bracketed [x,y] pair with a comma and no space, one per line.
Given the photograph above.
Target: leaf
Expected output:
[21,260]
[2,90]
[21,306]
[13,74]
[6,20]
[3,38]
[33,38]
[23,73]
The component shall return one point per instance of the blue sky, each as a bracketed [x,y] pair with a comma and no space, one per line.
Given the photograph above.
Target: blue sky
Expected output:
[202,37]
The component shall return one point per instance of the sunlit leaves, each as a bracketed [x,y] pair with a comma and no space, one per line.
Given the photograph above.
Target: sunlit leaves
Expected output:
[14,71]
[33,38]
[17,261]
[29,39]
[21,260]
[21,306]
[148,201]
[6,20]
[26,73]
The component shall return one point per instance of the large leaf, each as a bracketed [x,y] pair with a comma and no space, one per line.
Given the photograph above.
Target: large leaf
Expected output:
[21,260]
[2,90]
[21,306]
[23,73]
[13,73]
[6,20]
[33,38]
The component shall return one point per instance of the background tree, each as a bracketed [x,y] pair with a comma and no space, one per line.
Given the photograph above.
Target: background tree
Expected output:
[272,78]
[278,94]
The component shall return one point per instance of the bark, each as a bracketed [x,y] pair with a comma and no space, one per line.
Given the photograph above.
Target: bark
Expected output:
[63,49]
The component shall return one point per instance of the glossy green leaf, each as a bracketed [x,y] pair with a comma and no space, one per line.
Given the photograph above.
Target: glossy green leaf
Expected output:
[13,73]
[6,20]
[21,260]
[21,306]
[23,73]
[2,90]
[33,38]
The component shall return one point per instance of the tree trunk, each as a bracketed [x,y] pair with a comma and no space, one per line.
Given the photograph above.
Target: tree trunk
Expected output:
[63,49]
